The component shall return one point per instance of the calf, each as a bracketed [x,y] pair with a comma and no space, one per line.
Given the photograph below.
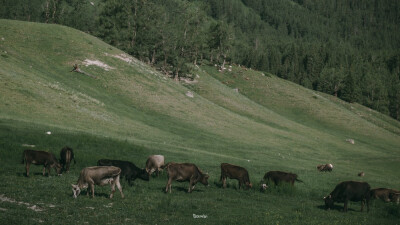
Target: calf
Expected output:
[154,163]
[278,177]
[325,167]
[47,159]
[128,169]
[66,156]
[98,175]
[349,191]
[235,172]
[185,172]
[385,194]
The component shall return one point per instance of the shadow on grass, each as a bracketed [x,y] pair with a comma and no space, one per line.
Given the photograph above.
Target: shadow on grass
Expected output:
[336,208]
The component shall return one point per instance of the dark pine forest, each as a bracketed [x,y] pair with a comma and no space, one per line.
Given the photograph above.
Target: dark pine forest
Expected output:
[347,48]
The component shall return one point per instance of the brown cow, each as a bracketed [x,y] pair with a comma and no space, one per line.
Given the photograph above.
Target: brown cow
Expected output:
[154,163]
[98,175]
[235,172]
[66,156]
[278,177]
[385,194]
[325,167]
[185,172]
[47,159]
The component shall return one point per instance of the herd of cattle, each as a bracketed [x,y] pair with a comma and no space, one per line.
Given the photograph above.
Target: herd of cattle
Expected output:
[109,172]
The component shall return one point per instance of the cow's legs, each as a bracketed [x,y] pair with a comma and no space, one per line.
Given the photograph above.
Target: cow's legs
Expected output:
[112,189]
[362,205]
[91,185]
[119,187]
[223,182]
[44,170]
[168,186]
[190,186]
[345,205]
[27,168]
[68,164]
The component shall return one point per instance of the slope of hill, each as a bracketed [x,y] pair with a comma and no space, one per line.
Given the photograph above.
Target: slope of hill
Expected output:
[131,111]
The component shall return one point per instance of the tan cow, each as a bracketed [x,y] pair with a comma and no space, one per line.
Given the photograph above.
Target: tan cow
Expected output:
[325,167]
[154,163]
[385,194]
[98,175]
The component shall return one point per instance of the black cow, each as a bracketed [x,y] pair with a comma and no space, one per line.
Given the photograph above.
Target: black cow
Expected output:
[278,177]
[235,172]
[349,191]
[128,169]
[66,156]
[47,159]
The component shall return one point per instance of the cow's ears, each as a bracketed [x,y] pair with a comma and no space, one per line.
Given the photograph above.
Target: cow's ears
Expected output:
[73,185]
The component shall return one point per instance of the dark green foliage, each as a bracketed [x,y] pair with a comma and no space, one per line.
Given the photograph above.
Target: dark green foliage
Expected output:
[345,48]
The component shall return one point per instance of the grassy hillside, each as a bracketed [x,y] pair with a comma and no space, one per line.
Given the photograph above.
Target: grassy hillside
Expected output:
[131,111]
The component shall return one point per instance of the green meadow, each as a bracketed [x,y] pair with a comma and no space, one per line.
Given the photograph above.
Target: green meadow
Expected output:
[131,111]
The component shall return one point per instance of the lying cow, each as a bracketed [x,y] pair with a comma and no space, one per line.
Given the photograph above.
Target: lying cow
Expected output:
[47,159]
[385,194]
[66,157]
[154,163]
[98,175]
[349,191]
[128,169]
[235,172]
[185,172]
[325,167]
[278,177]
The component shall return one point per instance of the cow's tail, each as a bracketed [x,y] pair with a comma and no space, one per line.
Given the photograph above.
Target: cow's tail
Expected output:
[298,180]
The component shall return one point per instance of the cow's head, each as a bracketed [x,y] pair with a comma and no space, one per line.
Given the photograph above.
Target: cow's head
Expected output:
[263,187]
[204,179]
[328,202]
[249,185]
[144,175]
[59,169]
[75,190]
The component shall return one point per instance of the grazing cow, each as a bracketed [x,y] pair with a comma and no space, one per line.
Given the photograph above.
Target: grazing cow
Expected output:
[154,163]
[235,172]
[47,159]
[386,194]
[185,172]
[278,177]
[128,169]
[349,191]
[325,167]
[66,156]
[361,174]
[98,175]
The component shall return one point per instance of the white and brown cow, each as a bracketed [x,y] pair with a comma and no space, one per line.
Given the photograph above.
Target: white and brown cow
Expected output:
[154,163]
[98,175]
[325,167]
[47,159]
